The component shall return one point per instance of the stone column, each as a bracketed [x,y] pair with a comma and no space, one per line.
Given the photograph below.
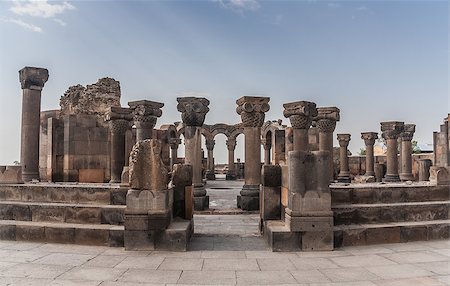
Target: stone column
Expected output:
[119,122]
[231,173]
[173,143]
[326,123]
[267,146]
[193,111]
[424,169]
[406,158]
[300,114]
[369,140]
[32,81]
[252,111]
[210,174]
[145,115]
[344,174]
[390,132]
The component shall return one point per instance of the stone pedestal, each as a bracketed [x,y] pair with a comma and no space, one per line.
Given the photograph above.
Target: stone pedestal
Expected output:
[32,81]
[193,111]
[390,132]
[145,115]
[344,174]
[369,140]
[424,169]
[406,152]
[252,111]
[119,122]
[210,171]
[300,114]
[231,173]
[326,123]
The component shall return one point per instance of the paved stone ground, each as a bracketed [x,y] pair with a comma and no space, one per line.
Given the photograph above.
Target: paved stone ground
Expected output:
[222,194]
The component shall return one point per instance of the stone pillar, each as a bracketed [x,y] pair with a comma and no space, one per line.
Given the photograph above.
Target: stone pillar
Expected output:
[193,111]
[390,132]
[145,115]
[424,169]
[252,111]
[406,150]
[344,173]
[326,123]
[210,172]
[173,143]
[300,114]
[119,122]
[267,146]
[231,173]
[369,140]
[32,81]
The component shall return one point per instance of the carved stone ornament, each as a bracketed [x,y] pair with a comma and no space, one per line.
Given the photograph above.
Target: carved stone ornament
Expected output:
[193,110]
[33,78]
[369,137]
[343,139]
[252,110]
[210,144]
[300,113]
[408,132]
[391,129]
[231,145]
[119,126]
[326,119]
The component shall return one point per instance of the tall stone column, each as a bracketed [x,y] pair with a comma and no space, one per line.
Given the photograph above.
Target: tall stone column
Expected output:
[32,81]
[424,169]
[344,174]
[193,111]
[406,158]
[300,114]
[145,115]
[369,140]
[119,122]
[231,173]
[326,123]
[210,174]
[267,147]
[252,111]
[173,143]
[390,132]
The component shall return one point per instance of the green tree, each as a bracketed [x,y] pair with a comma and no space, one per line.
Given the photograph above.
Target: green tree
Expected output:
[362,152]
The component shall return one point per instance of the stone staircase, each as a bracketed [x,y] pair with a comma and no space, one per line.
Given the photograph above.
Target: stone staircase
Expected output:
[70,213]
[372,214]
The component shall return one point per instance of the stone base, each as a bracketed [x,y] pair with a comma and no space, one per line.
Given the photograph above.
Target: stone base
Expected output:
[391,178]
[175,238]
[210,175]
[201,203]
[364,179]
[344,180]
[247,203]
[406,177]
[11,175]
[231,177]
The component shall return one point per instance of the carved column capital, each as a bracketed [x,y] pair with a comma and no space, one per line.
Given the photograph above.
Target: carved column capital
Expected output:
[210,144]
[343,139]
[300,113]
[119,119]
[193,110]
[231,145]
[408,132]
[145,112]
[326,119]
[369,138]
[33,78]
[391,129]
[252,110]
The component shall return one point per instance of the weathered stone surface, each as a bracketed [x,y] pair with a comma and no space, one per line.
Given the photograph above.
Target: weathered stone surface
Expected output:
[252,110]
[11,175]
[271,176]
[364,179]
[147,170]
[300,113]
[193,110]
[93,99]
[440,176]
[33,78]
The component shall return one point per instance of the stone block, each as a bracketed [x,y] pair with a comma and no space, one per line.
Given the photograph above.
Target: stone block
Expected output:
[387,235]
[61,234]
[119,196]
[11,175]
[189,203]
[440,176]
[138,240]
[438,231]
[201,203]
[176,237]
[308,224]
[91,236]
[414,233]
[141,201]
[317,240]
[114,216]
[7,232]
[271,175]
[364,179]
[158,220]
[48,213]
[248,203]
[21,212]
[83,215]
[280,238]
[116,238]
[30,233]
[138,222]
[270,203]
[91,176]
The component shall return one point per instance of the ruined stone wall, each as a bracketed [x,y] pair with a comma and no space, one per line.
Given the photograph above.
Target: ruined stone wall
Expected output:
[441,145]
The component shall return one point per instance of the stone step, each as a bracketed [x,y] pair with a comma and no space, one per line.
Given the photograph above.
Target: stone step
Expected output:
[388,193]
[366,234]
[86,234]
[65,193]
[390,212]
[62,212]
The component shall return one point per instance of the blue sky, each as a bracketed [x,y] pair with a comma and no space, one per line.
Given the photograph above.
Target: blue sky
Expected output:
[375,60]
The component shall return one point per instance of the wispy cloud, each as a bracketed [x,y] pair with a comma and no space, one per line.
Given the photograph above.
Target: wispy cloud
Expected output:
[40,8]
[26,26]
[362,8]
[333,5]
[239,6]
[61,22]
